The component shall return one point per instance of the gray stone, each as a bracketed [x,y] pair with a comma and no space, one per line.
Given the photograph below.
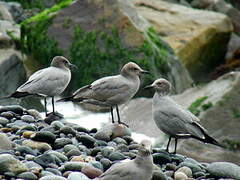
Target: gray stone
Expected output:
[224,170]
[4,121]
[73,152]
[28,118]
[54,171]
[44,136]
[52,177]
[86,140]
[161,158]
[116,156]
[68,130]
[77,176]
[74,166]
[5,143]
[69,147]
[159,175]
[35,114]
[9,164]
[33,166]
[106,163]
[26,150]
[100,135]
[28,176]
[57,125]
[61,142]
[61,156]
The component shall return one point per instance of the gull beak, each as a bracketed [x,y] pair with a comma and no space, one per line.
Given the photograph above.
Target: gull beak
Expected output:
[149,87]
[145,72]
[72,66]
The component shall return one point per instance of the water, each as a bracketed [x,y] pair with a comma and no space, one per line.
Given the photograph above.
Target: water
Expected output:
[75,114]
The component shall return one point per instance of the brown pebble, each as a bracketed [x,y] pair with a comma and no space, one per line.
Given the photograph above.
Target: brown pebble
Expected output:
[6,130]
[91,172]
[66,173]
[27,134]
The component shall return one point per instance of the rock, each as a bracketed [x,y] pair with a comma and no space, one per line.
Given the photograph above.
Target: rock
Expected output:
[106,163]
[52,177]
[159,175]
[26,150]
[14,108]
[86,140]
[116,130]
[161,158]
[60,156]
[54,171]
[74,166]
[77,176]
[91,172]
[119,140]
[61,142]
[194,40]
[186,170]
[57,125]
[224,170]
[68,130]
[69,147]
[100,135]
[28,118]
[9,164]
[34,167]
[27,134]
[37,145]
[4,121]
[81,129]
[5,14]
[35,114]
[44,136]
[5,143]
[73,152]
[116,156]
[28,176]
[180,176]
[8,114]
[46,160]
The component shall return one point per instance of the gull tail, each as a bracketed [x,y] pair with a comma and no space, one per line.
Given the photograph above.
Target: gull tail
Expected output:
[210,140]
[70,98]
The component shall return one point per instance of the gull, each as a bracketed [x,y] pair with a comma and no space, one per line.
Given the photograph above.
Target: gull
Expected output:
[111,91]
[140,168]
[173,119]
[47,82]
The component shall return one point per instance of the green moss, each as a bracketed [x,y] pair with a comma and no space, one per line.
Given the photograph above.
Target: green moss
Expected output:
[34,39]
[207,106]
[194,107]
[236,113]
[232,145]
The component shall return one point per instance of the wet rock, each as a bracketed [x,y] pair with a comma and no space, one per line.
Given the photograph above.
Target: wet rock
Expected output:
[161,158]
[44,136]
[14,108]
[37,145]
[52,177]
[91,172]
[77,176]
[74,166]
[119,140]
[73,152]
[61,142]
[186,170]
[54,171]
[33,166]
[224,169]
[96,164]
[194,167]
[68,130]
[69,147]
[28,118]
[5,143]
[26,134]
[26,150]
[60,156]
[116,156]
[86,140]
[180,176]
[57,125]
[9,164]
[100,135]
[35,114]
[81,129]
[27,176]
[106,163]
[4,121]
[7,114]
[51,118]
[47,160]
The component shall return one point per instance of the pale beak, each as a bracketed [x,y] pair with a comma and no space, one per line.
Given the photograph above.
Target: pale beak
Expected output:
[72,66]
[145,72]
[149,87]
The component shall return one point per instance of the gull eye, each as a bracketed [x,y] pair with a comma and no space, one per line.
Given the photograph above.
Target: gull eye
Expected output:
[135,69]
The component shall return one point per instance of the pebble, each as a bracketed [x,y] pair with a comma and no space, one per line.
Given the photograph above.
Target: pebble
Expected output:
[186,170]
[5,143]
[60,156]
[28,176]
[161,158]
[41,146]
[8,114]
[116,156]
[159,175]
[73,152]
[77,176]
[224,169]
[67,130]
[61,142]
[9,164]
[44,136]
[28,118]
[106,163]
[74,166]
[100,135]
[180,176]
[91,172]
[86,140]
[52,177]
[35,114]
[4,121]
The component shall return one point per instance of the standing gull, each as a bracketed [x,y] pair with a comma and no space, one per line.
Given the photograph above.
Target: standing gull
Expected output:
[141,168]
[172,119]
[47,82]
[112,90]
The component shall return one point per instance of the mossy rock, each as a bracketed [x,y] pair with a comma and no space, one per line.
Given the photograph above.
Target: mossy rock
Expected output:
[99,37]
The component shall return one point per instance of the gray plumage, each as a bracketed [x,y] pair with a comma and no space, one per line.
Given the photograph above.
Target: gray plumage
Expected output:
[172,119]
[47,82]
[141,168]
[112,90]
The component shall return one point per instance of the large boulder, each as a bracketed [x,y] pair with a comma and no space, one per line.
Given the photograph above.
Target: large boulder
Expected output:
[216,103]
[102,35]
[198,37]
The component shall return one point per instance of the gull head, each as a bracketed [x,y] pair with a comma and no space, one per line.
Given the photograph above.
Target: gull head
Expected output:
[145,148]
[160,85]
[132,69]
[62,62]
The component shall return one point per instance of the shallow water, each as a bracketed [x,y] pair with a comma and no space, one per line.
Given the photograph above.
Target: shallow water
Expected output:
[75,114]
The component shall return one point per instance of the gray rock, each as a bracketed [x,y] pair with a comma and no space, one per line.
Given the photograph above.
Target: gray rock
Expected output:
[77,176]
[106,163]
[86,140]
[28,118]
[68,130]
[52,177]
[74,166]
[61,156]
[119,140]
[26,150]
[97,165]
[54,171]
[61,142]
[73,152]
[194,167]
[224,170]
[46,160]
[69,147]
[44,136]
[161,158]
[28,176]
[4,121]
[14,108]
[5,143]
[81,129]
[116,156]
[35,114]
[57,125]
[7,114]
[159,175]
[100,135]
[33,166]
[9,164]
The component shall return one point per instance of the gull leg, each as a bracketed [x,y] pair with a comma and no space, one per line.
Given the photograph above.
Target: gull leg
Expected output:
[53,105]
[112,114]
[169,140]
[119,121]
[175,149]
[45,105]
